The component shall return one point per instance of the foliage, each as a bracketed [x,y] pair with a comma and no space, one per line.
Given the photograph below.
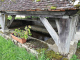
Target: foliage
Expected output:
[18,18]
[9,17]
[78,45]
[37,0]
[9,51]
[23,34]
[77,6]
[28,17]
[74,57]
[52,7]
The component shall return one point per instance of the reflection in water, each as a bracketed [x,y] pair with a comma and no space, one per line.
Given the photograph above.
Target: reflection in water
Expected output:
[40,36]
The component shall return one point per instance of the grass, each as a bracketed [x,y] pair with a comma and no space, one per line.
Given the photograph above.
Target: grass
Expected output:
[74,57]
[9,51]
[78,45]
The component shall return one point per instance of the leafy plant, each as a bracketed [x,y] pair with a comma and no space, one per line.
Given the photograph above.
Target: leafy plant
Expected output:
[9,17]
[22,33]
[74,57]
[78,45]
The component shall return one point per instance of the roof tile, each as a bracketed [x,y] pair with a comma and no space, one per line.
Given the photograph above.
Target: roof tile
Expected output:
[18,5]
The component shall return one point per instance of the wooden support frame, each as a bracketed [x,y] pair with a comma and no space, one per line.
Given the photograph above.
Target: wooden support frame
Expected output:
[66,25]
[3,20]
[66,29]
[9,23]
[49,28]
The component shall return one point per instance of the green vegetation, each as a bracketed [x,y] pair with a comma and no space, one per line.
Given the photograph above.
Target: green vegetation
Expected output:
[9,51]
[23,34]
[74,57]
[77,6]
[9,17]
[37,0]
[52,7]
[2,0]
[65,59]
[78,45]
[42,56]
[51,54]
[19,18]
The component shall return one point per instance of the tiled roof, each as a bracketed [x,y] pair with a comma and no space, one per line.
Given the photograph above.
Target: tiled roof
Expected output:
[27,5]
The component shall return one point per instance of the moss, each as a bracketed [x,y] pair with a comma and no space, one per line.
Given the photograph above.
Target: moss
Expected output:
[37,0]
[58,57]
[38,44]
[2,0]
[51,54]
[64,59]
[13,1]
[52,7]
[40,50]
[1,32]
[77,6]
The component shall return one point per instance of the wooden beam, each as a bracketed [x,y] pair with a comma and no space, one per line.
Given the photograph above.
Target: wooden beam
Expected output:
[36,13]
[66,30]
[50,29]
[57,14]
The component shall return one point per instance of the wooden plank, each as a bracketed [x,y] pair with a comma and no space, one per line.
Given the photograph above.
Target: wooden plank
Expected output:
[43,13]
[50,29]
[36,12]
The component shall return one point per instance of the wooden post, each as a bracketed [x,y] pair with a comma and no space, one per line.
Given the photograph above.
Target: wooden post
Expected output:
[3,19]
[66,30]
